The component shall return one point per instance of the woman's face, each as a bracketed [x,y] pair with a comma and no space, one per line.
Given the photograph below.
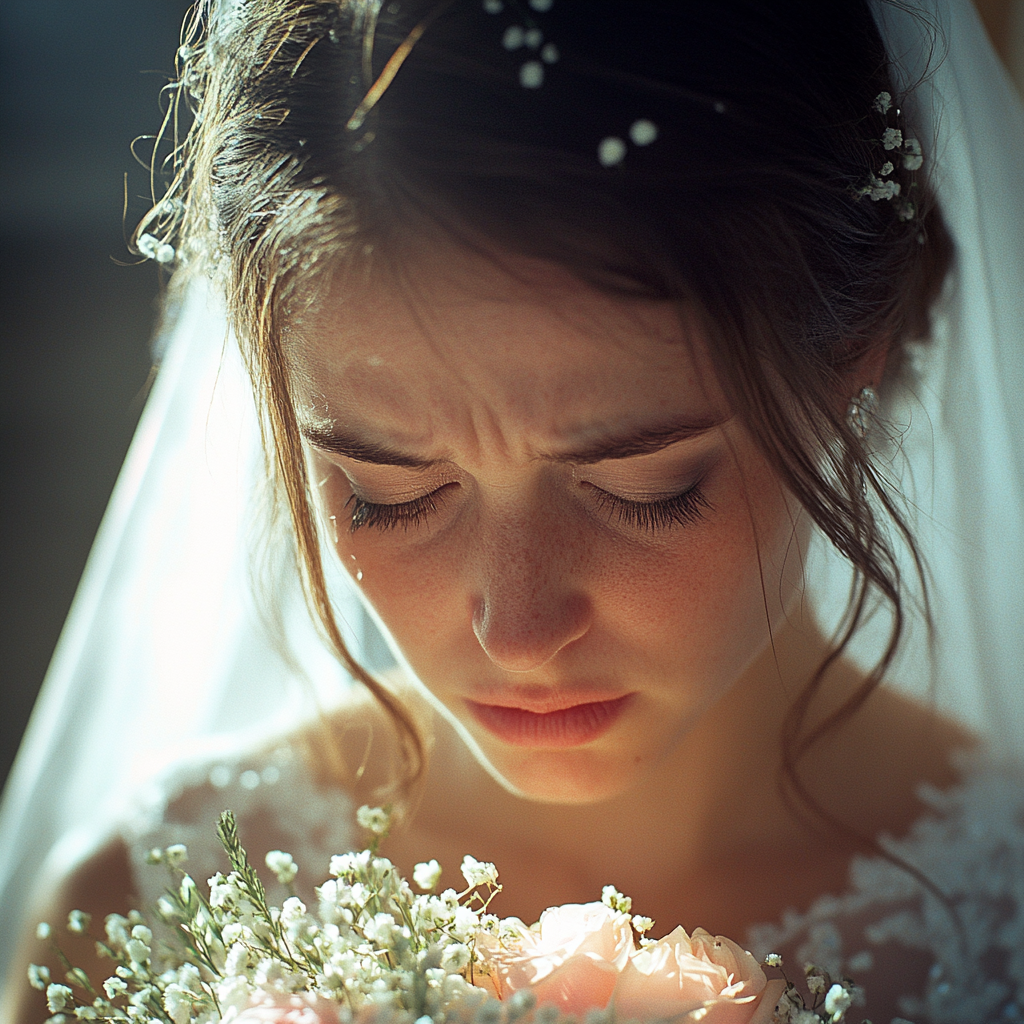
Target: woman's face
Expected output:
[542,492]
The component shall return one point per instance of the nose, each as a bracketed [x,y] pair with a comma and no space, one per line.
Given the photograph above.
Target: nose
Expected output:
[530,603]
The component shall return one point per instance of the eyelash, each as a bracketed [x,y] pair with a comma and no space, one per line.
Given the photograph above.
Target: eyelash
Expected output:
[387,517]
[649,516]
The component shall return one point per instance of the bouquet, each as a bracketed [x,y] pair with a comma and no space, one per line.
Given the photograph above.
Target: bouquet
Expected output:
[376,952]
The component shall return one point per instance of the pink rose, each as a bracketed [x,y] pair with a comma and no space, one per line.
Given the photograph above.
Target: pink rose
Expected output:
[572,958]
[704,977]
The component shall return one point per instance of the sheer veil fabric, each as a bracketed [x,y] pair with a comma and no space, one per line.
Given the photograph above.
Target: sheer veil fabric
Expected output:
[171,649]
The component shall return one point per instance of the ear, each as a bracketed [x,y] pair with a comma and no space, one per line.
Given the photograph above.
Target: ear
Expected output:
[871,365]
[868,369]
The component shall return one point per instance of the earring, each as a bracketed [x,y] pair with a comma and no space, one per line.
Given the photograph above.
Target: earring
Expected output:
[861,411]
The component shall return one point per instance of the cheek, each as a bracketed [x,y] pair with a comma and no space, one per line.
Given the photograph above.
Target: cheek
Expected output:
[688,606]
[405,579]
[695,605]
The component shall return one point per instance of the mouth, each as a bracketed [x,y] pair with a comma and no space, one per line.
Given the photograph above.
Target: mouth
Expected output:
[568,726]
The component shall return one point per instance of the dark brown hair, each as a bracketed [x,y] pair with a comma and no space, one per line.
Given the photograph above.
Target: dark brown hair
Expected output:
[325,128]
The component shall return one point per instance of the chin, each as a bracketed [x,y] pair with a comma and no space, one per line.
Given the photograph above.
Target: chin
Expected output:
[559,777]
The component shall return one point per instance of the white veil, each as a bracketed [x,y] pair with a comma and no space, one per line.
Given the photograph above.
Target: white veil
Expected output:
[166,652]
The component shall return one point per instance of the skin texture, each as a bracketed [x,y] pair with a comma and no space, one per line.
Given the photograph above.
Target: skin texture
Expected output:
[525,582]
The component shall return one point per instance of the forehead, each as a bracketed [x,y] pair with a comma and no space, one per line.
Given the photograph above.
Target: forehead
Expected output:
[456,336]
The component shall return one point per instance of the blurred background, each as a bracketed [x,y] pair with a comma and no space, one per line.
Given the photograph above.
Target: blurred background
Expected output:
[79,79]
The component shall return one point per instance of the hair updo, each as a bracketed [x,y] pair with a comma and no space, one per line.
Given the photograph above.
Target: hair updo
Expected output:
[326,130]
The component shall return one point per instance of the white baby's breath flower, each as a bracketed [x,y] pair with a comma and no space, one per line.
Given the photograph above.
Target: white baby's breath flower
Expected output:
[156,855]
[912,156]
[531,74]
[892,138]
[376,819]
[611,151]
[283,866]
[642,924]
[38,977]
[886,168]
[455,957]
[427,874]
[57,997]
[883,102]
[147,245]
[611,897]
[78,922]
[465,924]
[643,132]
[176,854]
[514,37]
[43,931]
[293,917]
[116,928]
[348,865]
[380,929]
[153,249]
[877,189]
[115,987]
[138,946]
[238,960]
[224,891]
[233,993]
[178,1003]
[773,960]
[478,872]
[837,1001]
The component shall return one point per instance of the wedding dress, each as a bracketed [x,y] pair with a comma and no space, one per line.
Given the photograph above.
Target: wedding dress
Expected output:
[186,663]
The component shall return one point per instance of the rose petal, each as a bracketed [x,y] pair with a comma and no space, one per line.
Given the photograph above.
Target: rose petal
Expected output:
[583,928]
[770,996]
[703,977]
[581,983]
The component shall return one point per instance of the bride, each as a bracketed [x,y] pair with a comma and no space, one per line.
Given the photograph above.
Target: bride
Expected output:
[645,375]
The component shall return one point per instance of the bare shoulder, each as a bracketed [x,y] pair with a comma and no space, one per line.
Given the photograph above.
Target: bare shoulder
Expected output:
[99,885]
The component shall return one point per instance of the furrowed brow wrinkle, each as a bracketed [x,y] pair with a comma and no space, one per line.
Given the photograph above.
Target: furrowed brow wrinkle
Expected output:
[638,442]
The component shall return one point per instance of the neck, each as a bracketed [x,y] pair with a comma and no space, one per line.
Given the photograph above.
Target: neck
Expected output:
[711,803]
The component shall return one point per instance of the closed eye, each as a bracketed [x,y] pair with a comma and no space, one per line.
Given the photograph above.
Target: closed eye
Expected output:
[379,516]
[661,514]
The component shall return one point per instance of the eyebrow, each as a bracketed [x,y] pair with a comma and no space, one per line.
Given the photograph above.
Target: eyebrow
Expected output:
[644,441]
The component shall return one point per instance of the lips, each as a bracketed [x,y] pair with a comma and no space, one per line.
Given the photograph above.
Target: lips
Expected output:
[560,721]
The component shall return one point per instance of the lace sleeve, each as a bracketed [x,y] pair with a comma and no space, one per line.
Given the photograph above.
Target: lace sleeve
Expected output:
[905,946]
[277,805]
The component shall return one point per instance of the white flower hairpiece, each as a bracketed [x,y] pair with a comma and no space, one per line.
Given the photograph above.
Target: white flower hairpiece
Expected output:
[153,249]
[516,37]
[612,150]
[880,185]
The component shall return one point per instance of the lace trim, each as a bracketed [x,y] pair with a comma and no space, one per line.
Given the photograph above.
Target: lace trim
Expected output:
[274,799]
[971,844]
